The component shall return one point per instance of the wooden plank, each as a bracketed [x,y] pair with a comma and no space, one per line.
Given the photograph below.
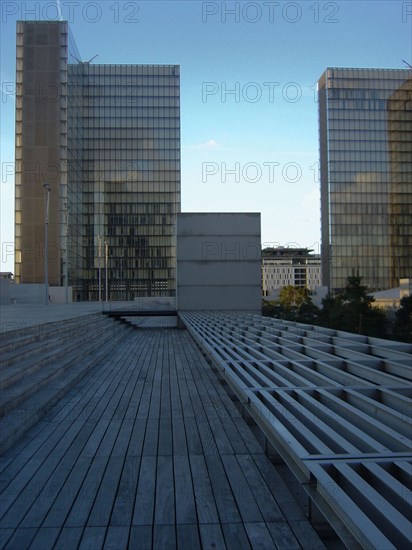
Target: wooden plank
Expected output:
[188,537]
[222,492]
[187,409]
[211,536]
[144,507]
[83,503]
[259,535]
[180,447]
[184,493]
[104,501]
[141,538]
[252,444]
[116,538]
[248,508]
[164,537]
[164,501]
[151,437]
[174,368]
[45,538]
[18,496]
[58,477]
[287,504]
[205,502]
[165,445]
[69,538]
[261,493]
[206,435]
[234,437]
[306,535]
[22,538]
[122,512]
[225,408]
[104,436]
[137,437]
[5,535]
[165,406]
[283,536]
[61,506]
[219,433]
[235,536]
[93,538]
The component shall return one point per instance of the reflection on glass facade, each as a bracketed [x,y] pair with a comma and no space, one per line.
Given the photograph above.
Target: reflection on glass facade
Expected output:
[41,134]
[365,121]
[128,148]
[119,189]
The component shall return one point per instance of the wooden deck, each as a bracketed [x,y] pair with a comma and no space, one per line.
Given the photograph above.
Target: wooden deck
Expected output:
[148,451]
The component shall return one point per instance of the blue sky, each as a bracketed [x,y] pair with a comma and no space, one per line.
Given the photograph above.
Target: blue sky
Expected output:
[255,149]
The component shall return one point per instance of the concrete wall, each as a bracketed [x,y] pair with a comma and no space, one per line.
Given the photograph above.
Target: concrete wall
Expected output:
[58,294]
[27,293]
[34,294]
[219,262]
[4,291]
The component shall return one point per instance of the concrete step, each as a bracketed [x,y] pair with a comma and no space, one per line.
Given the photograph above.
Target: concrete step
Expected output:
[61,334]
[48,352]
[28,379]
[28,400]
[21,337]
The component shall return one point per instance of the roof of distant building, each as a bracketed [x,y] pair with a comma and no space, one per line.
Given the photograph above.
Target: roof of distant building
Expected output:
[282,251]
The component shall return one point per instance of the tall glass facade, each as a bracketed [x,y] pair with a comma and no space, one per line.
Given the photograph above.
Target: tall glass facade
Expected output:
[365,122]
[118,188]
[41,144]
[128,148]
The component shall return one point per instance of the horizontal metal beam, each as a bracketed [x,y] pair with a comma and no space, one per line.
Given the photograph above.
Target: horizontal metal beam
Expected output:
[140,313]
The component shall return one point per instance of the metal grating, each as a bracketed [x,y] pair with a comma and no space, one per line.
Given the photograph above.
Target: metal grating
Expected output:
[336,406]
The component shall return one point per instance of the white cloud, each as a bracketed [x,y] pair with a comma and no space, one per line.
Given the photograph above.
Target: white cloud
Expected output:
[212,144]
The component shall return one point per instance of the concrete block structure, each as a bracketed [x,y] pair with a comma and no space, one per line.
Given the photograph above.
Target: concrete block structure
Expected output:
[219,262]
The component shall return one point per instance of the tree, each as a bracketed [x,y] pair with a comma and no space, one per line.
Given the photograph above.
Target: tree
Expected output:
[352,310]
[293,296]
[402,328]
[271,309]
[296,304]
[331,313]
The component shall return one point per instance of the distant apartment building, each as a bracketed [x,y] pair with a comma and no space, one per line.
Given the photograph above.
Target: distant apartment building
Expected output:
[106,140]
[365,120]
[289,266]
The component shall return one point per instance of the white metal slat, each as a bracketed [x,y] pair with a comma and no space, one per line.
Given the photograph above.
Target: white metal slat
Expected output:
[344,431]
[384,482]
[387,516]
[367,423]
[330,496]
[290,422]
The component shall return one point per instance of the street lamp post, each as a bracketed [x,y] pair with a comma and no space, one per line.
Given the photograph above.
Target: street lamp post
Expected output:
[121,279]
[99,249]
[46,241]
[66,260]
[106,251]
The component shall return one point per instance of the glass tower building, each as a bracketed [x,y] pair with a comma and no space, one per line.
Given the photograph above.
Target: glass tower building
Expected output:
[110,142]
[365,123]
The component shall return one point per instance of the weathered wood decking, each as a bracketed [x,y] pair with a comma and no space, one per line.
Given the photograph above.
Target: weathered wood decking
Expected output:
[148,451]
